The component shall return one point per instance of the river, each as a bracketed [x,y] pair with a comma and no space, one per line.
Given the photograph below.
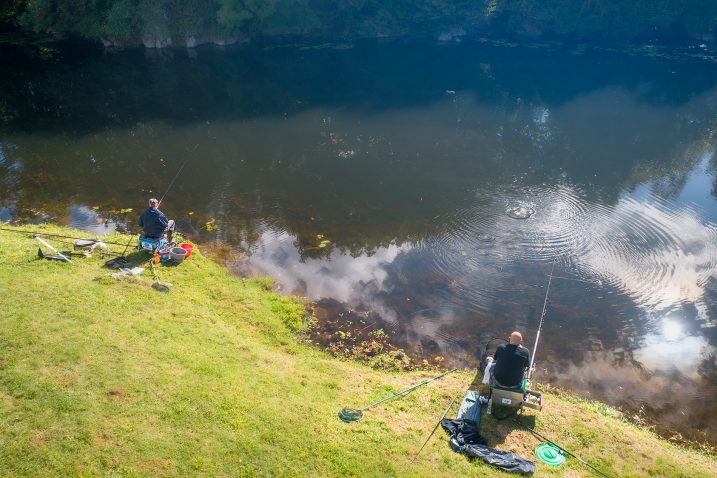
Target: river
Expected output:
[386,176]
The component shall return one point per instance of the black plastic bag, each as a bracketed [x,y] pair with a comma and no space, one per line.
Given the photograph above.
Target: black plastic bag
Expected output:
[465,438]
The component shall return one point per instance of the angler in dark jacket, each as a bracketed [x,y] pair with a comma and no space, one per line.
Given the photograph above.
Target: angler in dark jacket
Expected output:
[511,361]
[155,223]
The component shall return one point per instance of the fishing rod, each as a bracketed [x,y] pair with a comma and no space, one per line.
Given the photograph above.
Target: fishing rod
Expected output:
[353,415]
[105,252]
[172,182]
[127,246]
[563,450]
[42,233]
[435,428]
[545,305]
[542,320]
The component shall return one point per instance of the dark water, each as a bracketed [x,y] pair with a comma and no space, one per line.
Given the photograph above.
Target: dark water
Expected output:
[382,176]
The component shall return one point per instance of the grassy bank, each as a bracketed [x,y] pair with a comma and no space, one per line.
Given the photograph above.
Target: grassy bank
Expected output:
[106,377]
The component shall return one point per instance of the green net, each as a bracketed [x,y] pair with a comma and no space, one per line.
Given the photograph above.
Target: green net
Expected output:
[350,415]
[550,454]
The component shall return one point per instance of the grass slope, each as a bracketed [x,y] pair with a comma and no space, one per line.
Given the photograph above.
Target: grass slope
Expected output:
[105,377]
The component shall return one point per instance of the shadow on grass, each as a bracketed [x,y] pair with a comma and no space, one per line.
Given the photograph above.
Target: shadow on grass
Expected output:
[501,422]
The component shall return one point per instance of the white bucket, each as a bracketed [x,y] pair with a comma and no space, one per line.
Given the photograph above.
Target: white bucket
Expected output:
[177,254]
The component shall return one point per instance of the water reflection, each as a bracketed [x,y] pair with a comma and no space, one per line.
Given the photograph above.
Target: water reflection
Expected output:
[352,279]
[388,194]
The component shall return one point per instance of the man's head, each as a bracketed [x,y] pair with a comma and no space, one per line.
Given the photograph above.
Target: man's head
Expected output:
[515,338]
[153,203]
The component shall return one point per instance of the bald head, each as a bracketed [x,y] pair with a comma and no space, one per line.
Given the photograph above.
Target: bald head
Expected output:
[516,338]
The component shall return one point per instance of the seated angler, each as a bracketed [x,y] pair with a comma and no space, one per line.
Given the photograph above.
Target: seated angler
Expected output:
[511,362]
[155,223]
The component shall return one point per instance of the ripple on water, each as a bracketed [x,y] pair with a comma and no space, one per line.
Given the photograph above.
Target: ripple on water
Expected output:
[480,247]
[555,227]
[659,256]
[520,212]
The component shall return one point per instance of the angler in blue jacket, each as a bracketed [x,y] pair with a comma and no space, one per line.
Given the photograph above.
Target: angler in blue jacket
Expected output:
[155,223]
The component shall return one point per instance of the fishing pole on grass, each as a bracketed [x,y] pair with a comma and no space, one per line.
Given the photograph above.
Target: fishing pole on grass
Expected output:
[171,183]
[42,233]
[562,450]
[103,252]
[131,238]
[435,428]
[353,415]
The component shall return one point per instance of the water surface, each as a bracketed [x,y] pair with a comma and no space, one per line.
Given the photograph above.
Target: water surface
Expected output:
[382,176]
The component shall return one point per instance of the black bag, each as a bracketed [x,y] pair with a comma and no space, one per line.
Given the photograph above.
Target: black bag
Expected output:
[465,438]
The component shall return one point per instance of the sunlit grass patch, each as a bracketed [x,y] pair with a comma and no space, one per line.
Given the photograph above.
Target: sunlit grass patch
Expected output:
[105,377]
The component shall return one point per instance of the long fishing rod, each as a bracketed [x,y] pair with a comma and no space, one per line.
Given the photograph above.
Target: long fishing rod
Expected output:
[42,233]
[171,183]
[567,452]
[106,252]
[353,415]
[415,457]
[542,319]
[127,246]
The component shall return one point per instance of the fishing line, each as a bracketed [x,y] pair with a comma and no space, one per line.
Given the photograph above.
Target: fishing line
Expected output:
[172,182]
[586,281]
[561,448]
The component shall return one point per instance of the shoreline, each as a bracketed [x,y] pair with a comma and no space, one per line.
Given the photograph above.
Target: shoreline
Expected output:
[339,331]
[349,335]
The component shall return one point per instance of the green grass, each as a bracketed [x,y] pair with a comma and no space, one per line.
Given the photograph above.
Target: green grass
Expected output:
[105,377]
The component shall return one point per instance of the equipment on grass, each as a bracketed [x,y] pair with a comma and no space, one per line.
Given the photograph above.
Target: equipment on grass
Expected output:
[84,243]
[117,263]
[549,454]
[470,408]
[152,244]
[157,284]
[47,234]
[127,246]
[567,452]
[51,257]
[177,254]
[465,438]
[435,428]
[353,415]
[62,256]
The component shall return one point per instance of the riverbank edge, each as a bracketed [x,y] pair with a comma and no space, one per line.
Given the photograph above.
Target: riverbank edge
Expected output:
[270,324]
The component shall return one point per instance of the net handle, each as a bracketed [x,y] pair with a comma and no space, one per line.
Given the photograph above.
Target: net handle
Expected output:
[408,390]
